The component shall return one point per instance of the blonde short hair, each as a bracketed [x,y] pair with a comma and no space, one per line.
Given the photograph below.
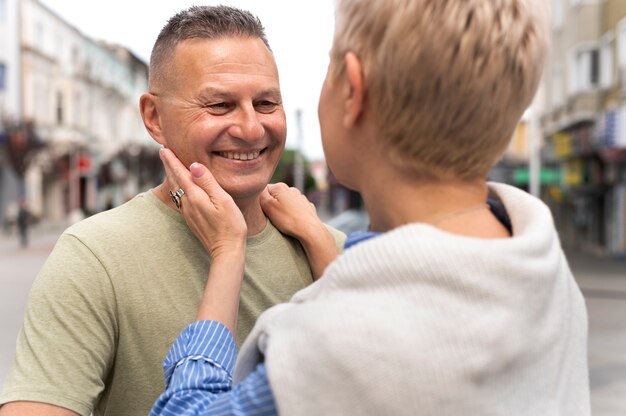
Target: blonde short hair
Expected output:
[448,80]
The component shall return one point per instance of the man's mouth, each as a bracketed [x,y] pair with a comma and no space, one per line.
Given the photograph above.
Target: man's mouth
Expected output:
[241,155]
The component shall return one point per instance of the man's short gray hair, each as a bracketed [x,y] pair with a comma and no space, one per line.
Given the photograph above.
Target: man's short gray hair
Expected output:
[200,22]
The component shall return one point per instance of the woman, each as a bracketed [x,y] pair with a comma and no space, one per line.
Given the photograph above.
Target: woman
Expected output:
[452,307]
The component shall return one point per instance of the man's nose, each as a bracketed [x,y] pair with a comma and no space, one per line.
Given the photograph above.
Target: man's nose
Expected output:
[248,126]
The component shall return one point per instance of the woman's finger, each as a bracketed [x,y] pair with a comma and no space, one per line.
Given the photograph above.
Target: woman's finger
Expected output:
[205,180]
[275,189]
[265,195]
[175,171]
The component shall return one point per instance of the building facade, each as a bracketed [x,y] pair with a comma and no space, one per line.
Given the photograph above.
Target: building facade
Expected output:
[10,104]
[582,124]
[79,115]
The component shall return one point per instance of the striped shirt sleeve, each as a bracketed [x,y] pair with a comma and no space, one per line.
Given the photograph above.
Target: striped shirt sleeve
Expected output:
[198,377]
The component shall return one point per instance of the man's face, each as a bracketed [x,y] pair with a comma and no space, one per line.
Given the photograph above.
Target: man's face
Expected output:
[222,107]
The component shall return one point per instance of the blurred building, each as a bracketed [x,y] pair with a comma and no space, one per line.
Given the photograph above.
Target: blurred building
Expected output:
[10,103]
[74,101]
[514,167]
[583,123]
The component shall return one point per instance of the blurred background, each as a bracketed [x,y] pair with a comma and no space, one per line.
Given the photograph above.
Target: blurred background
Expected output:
[72,143]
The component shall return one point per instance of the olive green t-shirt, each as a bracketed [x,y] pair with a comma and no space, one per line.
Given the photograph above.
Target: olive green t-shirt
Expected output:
[113,296]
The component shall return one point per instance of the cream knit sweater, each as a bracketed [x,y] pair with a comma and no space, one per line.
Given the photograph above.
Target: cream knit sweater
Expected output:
[422,322]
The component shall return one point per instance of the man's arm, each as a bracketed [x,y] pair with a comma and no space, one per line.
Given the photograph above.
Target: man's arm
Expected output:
[67,341]
[34,409]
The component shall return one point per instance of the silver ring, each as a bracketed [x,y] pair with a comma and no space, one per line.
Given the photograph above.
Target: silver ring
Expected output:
[176,196]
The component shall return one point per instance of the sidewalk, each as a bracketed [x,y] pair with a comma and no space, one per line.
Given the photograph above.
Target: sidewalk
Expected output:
[599,277]
[587,263]
[603,283]
[42,238]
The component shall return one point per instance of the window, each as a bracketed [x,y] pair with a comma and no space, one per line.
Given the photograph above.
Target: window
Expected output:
[621,43]
[59,108]
[75,55]
[594,76]
[576,3]
[58,46]
[558,14]
[583,68]
[606,60]
[3,11]
[39,34]
[556,88]
[77,110]
[3,75]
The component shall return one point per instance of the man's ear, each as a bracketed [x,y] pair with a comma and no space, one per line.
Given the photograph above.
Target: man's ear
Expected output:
[151,117]
[355,98]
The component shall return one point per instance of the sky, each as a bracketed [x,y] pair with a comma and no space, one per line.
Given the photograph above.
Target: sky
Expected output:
[300,34]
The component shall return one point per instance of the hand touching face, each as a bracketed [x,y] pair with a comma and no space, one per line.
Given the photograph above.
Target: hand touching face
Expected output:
[209,211]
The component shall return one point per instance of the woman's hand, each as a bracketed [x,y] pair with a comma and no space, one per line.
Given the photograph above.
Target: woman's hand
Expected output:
[217,222]
[292,213]
[208,210]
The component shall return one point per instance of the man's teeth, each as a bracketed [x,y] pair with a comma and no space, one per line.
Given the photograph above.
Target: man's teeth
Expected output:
[240,156]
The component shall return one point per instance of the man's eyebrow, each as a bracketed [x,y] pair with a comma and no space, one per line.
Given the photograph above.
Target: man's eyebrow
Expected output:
[216,93]
[274,92]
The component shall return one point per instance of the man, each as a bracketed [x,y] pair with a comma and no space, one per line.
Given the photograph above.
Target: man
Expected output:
[119,286]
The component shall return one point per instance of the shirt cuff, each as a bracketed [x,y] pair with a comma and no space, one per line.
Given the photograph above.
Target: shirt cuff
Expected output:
[202,340]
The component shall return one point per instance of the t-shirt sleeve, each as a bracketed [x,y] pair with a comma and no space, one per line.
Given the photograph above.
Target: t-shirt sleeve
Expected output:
[67,342]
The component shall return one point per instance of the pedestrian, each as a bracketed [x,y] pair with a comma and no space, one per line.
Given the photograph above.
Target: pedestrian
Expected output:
[120,285]
[448,308]
[23,221]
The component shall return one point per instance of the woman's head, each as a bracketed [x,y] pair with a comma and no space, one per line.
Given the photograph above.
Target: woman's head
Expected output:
[446,80]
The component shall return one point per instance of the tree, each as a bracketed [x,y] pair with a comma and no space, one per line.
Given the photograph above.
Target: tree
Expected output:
[23,142]
[285,171]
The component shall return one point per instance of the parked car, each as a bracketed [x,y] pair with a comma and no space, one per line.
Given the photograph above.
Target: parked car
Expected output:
[350,221]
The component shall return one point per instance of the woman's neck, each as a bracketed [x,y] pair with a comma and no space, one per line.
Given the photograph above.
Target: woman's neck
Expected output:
[457,207]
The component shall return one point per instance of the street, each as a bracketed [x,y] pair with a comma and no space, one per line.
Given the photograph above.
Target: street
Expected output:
[603,282]
[18,268]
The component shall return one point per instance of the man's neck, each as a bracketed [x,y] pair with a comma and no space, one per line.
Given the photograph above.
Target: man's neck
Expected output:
[253,214]
[250,208]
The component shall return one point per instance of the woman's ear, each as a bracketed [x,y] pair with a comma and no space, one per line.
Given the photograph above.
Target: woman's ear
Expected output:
[355,89]
[151,117]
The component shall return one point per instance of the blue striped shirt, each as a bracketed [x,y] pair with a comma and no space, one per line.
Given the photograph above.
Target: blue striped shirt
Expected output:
[198,377]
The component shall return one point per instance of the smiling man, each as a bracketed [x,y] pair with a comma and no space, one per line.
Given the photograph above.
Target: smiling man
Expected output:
[119,287]
[218,102]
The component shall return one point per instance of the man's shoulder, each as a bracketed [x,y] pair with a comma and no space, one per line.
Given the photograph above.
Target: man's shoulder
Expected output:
[126,220]
[272,235]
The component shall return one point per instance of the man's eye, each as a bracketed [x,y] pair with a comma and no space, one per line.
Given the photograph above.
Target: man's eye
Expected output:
[265,106]
[218,108]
